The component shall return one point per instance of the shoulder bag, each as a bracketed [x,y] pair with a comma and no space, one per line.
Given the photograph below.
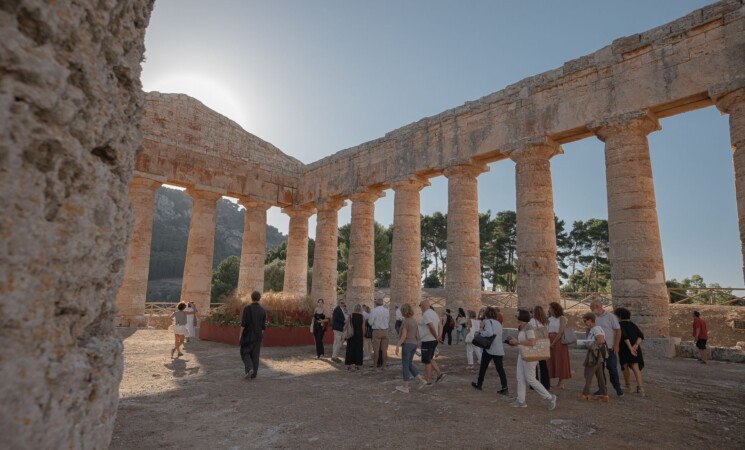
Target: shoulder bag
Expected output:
[539,352]
[481,341]
[569,337]
[348,329]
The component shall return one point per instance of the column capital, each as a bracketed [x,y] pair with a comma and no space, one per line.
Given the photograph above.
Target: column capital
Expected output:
[332,204]
[465,169]
[203,194]
[727,99]
[299,212]
[367,195]
[534,149]
[639,123]
[250,203]
[415,183]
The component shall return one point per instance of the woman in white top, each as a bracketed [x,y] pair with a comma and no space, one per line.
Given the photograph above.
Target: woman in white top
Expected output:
[191,321]
[491,327]
[539,323]
[526,369]
[472,326]
[558,365]
[595,359]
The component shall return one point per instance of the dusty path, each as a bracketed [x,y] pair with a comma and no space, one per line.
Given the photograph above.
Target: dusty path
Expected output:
[202,401]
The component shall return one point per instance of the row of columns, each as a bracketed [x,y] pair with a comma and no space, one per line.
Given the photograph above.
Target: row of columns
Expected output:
[637,268]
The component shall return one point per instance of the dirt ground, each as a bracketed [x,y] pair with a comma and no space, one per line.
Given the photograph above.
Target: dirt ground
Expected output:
[202,401]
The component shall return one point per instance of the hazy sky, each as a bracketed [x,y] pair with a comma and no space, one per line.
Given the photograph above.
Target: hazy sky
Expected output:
[316,77]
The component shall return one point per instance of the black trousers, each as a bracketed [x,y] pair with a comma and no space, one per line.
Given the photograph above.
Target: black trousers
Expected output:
[318,333]
[486,358]
[542,374]
[250,356]
[449,333]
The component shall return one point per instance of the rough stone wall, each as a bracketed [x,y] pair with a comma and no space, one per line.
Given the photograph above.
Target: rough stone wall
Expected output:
[70,107]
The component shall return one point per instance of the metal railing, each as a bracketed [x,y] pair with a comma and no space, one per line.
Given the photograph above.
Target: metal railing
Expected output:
[707,296]
[157,308]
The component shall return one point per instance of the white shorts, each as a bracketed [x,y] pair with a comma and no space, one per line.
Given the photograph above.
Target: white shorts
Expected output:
[180,329]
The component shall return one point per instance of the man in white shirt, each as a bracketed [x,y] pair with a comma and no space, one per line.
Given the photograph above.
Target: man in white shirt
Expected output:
[429,331]
[612,329]
[379,320]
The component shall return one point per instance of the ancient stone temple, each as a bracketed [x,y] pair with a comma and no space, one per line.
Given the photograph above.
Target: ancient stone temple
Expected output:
[80,142]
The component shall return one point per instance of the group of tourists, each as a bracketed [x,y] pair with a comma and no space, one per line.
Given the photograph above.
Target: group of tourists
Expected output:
[611,339]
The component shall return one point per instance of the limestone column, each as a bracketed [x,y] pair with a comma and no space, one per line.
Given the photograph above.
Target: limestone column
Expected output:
[361,263]
[253,251]
[463,270]
[406,270]
[537,273]
[296,267]
[637,269]
[131,296]
[197,282]
[326,252]
[733,103]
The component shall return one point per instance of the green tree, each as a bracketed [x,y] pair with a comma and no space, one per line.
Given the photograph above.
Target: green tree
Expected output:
[383,253]
[274,275]
[225,278]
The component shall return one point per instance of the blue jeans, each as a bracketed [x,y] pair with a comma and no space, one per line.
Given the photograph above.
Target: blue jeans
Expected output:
[612,365]
[460,333]
[407,364]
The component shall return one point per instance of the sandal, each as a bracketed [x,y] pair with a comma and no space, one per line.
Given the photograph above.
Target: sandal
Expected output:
[584,397]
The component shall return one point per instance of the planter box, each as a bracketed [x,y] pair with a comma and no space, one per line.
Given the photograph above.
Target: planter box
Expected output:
[273,336]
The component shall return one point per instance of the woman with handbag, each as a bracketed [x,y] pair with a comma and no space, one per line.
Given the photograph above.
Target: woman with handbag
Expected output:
[353,333]
[408,343]
[491,328]
[558,365]
[539,323]
[319,327]
[597,352]
[472,326]
[526,369]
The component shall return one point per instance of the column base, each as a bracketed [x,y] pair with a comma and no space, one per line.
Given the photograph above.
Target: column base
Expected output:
[660,347]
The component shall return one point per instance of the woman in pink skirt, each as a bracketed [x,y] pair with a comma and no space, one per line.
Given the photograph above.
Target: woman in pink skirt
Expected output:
[558,364]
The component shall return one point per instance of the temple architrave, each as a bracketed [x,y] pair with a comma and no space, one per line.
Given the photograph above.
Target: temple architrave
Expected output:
[75,155]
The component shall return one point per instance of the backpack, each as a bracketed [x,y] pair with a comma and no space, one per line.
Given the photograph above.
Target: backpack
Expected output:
[450,322]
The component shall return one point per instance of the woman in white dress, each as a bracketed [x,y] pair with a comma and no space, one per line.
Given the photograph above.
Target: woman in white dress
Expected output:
[473,325]
[191,321]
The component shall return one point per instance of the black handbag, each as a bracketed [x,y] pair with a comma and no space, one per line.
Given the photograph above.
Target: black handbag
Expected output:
[483,342]
[368,330]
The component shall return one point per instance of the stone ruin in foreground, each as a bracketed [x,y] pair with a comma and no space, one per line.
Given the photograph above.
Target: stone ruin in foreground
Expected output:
[80,142]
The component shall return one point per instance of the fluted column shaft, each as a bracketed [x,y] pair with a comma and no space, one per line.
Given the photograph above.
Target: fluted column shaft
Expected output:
[733,103]
[637,268]
[361,264]
[131,296]
[296,267]
[406,270]
[253,251]
[537,273]
[463,270]
[200,247]
[325,254]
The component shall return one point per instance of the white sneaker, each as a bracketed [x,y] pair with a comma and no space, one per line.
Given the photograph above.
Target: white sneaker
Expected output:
[405,390]
[518,404]
[552,403]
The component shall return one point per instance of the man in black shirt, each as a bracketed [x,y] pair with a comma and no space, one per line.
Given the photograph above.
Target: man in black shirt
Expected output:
[253,324]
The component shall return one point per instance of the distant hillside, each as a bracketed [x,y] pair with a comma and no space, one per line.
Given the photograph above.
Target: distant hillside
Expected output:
[171,231]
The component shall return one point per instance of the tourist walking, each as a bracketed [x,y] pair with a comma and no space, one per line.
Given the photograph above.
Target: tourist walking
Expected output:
[408,344]
[700,336]
[597,351]
[429,328]
[526,369]
[179,327]
[495,352]
[338,318]
[253,324]
[612,329]
[472,326]
[630,354]
[559,363]
[399,320]
[448,324]
[368,333]
[539,323]
[379,321]
[355,352]
[320,322]
[191,321]
[460,326]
